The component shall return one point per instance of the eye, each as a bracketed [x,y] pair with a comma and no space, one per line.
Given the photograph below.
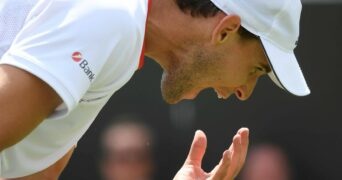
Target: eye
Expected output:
[260,69]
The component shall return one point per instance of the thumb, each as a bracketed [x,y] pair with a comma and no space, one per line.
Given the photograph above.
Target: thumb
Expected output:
[197,150]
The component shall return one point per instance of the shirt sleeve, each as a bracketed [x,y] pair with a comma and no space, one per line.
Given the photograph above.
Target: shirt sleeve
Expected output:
[66,44]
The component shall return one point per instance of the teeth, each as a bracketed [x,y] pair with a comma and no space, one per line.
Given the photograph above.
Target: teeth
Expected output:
[219,96]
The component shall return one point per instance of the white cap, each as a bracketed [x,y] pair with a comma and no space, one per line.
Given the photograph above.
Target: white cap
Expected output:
[276,22]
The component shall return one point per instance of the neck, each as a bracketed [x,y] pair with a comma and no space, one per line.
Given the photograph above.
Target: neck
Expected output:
[168,29]
[157,40]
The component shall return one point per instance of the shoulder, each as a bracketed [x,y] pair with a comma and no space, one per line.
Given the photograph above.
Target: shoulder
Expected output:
[100,18]
[121,18]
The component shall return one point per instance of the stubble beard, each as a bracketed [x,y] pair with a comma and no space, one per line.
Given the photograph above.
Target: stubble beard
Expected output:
[184,76]
[181,79]
[175,83]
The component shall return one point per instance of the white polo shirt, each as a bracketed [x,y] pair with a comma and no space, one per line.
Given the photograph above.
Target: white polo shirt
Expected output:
[85,50]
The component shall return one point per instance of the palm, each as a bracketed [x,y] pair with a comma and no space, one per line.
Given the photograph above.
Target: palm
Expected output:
[229,166]
[189,172]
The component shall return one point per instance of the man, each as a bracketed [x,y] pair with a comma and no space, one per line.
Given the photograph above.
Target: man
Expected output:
[127,150]
[64,59]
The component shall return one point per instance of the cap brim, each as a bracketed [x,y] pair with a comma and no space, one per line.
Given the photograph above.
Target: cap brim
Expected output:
[286,72]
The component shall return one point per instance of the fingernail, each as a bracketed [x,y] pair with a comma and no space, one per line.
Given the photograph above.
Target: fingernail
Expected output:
[243,129]
[199,132]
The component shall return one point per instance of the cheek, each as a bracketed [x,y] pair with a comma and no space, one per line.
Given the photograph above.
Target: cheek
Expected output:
[235,74]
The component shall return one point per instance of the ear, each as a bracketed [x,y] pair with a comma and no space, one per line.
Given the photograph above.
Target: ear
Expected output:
[228,25]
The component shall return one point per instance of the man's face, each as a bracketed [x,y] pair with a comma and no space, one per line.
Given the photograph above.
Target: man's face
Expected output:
[126,155]
[233,68]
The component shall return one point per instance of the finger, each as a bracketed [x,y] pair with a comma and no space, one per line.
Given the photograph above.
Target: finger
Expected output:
[221,170]
[197,150]
[228,172]
[237,154]
[244,133]
[235,157]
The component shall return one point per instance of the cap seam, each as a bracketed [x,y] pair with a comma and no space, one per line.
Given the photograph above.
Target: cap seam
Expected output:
[275,44]
[276,17]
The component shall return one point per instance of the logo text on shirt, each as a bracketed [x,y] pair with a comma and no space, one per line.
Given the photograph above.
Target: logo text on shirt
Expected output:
[84,65]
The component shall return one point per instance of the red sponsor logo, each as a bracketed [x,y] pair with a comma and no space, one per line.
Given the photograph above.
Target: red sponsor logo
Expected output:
[77,56]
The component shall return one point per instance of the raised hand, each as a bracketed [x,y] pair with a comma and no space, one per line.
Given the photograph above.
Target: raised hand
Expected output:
[228,168]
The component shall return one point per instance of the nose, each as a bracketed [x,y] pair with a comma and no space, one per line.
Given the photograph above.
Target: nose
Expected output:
[242,93]
[245,91]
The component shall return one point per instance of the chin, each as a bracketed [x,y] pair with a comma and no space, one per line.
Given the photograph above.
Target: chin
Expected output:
[175,86]
[170,93]
[170,100]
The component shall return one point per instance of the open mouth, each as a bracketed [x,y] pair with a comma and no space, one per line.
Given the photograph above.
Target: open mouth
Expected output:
[222,94]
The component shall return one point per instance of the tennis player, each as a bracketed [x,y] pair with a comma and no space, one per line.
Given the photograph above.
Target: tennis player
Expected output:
[61,61]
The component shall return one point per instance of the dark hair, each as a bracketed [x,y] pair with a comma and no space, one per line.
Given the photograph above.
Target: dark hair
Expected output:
[198,8]
[205,8]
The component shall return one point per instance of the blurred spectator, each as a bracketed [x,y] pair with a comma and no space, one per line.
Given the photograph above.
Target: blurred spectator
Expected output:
[127,151]
[267,162]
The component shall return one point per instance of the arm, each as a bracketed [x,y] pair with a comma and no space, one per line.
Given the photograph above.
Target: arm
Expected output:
[25,101]
[229,166]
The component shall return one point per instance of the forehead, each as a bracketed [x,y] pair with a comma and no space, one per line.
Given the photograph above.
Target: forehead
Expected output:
[125,137]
